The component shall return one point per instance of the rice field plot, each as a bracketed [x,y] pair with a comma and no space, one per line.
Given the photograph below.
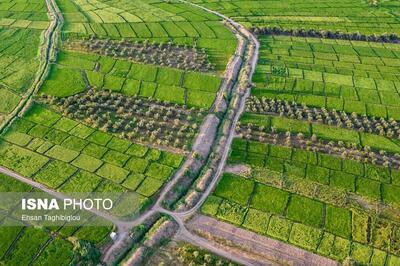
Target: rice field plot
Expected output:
[74,72]
[133,118]
[343,15]
[68,156]
[159,22]
[373,182]
[23,12]
[352,76]
[23,24]
[309,223]
[18,64]
[29,241]
[27,246]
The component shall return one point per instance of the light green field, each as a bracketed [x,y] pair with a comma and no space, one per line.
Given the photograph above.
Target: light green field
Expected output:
[152,20]
[69,75]
[343,15]
[18,64]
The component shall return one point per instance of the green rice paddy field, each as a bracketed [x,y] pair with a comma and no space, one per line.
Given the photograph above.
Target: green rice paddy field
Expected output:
[68,156]
[153,20]
[322,131]
[343,15]
[193,89]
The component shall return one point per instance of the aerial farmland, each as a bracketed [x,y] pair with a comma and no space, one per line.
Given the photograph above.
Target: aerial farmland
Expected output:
[261,132]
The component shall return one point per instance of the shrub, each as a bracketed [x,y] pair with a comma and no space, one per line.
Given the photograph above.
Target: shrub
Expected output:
[390,38]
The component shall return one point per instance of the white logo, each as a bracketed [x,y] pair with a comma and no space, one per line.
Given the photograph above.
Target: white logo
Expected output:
[75,204]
